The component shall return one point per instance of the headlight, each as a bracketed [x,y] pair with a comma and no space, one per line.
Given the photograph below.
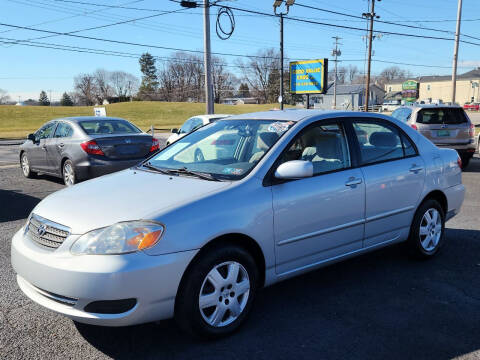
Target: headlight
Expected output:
[121,238]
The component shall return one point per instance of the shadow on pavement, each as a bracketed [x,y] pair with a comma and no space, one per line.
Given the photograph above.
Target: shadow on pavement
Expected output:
[380,305]
[15,205]
[474,165]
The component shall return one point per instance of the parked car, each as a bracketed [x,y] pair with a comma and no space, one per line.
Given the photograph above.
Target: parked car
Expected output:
[193,124]
[472,106]
[80,148]
[196,239]
[391,105]
[445,125]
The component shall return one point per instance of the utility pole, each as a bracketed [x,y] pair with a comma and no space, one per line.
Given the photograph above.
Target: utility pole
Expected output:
[455,51]
[336,52]
[207,59]
[276,4]
[371,16]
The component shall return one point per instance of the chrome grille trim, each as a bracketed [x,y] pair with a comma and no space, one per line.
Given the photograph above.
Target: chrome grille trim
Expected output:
[46,233]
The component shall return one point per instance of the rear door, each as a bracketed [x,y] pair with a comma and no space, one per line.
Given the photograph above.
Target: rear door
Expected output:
[394,176]
[55,150]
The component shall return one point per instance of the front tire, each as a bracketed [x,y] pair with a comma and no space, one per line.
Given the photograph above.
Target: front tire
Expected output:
[428,230]
[25,165]
[68,173]
[217,292]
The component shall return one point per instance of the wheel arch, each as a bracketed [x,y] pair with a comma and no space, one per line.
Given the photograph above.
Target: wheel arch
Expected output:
[64,158]
[439,196]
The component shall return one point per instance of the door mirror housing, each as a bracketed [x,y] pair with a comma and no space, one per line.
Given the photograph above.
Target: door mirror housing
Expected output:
[31,137]
[295,169]
[174,131]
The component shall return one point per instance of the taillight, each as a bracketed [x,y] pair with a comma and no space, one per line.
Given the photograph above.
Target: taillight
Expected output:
[155,145]
[471,131]
[91,147]
[459,162]
[413,126]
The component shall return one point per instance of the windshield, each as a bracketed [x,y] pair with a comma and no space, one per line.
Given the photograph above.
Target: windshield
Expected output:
[101,127]
[225,149]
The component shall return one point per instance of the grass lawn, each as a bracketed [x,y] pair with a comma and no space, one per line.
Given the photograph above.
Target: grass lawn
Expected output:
[18,121]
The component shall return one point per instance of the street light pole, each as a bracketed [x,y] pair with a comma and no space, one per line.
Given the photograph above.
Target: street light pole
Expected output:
[455,51]
[370,16]
[336,53]
[207,58]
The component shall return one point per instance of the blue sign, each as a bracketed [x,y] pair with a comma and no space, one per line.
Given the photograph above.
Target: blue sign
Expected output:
[308,77]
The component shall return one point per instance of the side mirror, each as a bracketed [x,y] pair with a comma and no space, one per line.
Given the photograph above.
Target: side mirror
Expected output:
[31,137]
[175,131]
[295,169]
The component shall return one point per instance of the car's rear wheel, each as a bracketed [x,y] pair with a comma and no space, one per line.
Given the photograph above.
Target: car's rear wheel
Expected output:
[217,292]
[427,231]
[465,161]
[68,172]
[25,164]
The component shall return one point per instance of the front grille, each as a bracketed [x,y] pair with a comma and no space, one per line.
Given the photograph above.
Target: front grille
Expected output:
[46,233]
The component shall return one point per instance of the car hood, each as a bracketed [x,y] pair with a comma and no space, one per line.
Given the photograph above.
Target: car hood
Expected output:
[126,195]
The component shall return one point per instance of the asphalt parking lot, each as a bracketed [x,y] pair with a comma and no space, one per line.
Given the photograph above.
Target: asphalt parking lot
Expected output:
[381,305]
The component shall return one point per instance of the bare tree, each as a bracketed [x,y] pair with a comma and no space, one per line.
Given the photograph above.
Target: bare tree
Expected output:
[103,88]
[259,72]
[392,73]
[4,97]
[122,84]
[224,82]
[86,88]
[353,72]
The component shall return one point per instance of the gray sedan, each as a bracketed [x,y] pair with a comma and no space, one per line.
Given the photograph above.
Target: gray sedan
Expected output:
[274,195]
[80,148]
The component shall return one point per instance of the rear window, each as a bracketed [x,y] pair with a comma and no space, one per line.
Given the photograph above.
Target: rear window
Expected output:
[402,114]
[101,127]
[441,116]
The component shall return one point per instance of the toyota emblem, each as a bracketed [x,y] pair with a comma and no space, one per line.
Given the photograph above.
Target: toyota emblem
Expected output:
[41,230]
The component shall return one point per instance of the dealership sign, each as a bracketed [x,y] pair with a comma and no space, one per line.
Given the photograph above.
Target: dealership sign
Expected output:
[308,77]
[410,90]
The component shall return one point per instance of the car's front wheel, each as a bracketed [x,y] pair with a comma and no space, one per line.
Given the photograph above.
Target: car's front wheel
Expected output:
[25,164]
[427,231]
[217,292]
[68,172]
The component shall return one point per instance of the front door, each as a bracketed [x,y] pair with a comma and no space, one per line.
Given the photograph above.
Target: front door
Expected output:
[38,153]
[320,217]
[394,174]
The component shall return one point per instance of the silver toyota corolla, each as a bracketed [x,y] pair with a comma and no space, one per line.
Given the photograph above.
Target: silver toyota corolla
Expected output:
[275,194]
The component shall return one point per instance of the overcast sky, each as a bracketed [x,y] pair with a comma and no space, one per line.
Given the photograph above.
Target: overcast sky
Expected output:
[25,70]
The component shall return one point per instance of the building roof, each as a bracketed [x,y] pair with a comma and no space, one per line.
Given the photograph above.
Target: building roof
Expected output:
[470,75]
[350,89]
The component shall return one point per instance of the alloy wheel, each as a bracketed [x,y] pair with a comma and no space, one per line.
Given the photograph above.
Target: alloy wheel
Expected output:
[224,294]
[430,229]
[25,165]
[68,174]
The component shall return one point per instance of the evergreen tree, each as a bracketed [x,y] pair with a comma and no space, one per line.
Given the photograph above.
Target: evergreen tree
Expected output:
[244,90]
[43,99]
[66,100]
[149,84]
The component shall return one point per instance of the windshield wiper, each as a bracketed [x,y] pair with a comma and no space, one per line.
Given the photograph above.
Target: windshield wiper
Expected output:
[149,166]
[201,175]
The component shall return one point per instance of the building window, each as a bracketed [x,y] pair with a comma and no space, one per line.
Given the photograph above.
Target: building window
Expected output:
[389,89]
[428,87]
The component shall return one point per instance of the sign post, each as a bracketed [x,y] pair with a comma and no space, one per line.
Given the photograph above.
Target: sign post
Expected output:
[309,77]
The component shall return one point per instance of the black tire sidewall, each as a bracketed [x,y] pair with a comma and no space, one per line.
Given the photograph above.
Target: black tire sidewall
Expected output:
[414,239]
[187,311]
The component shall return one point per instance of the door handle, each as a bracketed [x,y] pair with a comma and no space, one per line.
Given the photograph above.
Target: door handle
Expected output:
[61,145]
[44,147]
[415,169]
[353,181]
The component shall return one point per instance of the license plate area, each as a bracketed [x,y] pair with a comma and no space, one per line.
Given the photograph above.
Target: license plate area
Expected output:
[443,133]
[126,149]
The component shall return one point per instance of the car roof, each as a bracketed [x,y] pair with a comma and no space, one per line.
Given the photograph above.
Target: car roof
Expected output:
[431,106]
[90,118]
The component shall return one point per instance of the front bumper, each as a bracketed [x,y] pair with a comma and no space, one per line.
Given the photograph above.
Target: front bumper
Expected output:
[67,283]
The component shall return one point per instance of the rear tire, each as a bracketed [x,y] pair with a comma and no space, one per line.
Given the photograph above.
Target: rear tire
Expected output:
[212,301]
[465,162]
[427,232]
[68,173]
[25,165]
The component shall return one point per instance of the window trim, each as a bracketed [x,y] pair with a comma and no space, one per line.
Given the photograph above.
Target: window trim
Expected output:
[54,123]
[271,180]
[386,124]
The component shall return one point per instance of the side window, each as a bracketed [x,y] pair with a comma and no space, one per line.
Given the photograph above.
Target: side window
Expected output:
[381,142]
[187,126]
[324,145]
[45,131]
[63,130]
